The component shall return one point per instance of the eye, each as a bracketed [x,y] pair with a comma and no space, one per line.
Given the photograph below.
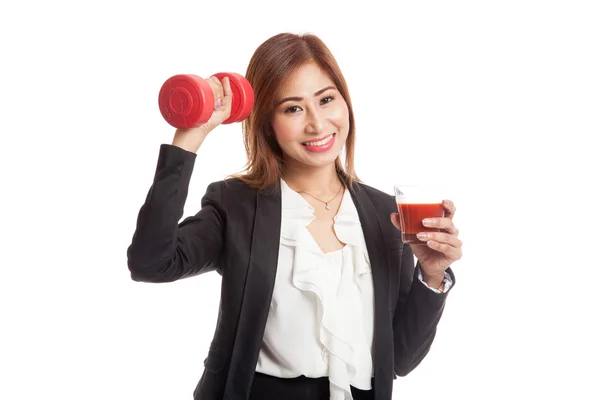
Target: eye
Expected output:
[327,99]
[292,109]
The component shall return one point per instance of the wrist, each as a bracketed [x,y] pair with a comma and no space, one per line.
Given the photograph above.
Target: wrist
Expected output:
[434,281]
[190,139]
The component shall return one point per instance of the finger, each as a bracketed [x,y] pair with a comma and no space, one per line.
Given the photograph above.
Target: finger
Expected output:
[218,104]
[450,252]
[449,208]
[227,97]
[227,88]
[217,89]
[440,237]
[445,224]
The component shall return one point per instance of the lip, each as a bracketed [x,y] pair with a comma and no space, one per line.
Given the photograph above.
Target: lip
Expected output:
[318,139]
[324,148]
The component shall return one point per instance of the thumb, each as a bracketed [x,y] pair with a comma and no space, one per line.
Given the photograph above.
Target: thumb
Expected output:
[227,94]
[223,107]
[395,218]
[226,87]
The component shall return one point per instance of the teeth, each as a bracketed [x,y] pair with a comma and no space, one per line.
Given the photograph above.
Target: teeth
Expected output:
[320,142]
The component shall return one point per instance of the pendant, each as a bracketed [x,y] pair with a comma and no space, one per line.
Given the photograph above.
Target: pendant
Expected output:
[327,206]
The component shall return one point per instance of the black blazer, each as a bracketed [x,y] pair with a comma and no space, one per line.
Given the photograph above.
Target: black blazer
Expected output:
[236,233]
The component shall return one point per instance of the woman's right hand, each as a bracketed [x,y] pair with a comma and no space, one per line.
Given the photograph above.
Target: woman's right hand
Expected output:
[190,139]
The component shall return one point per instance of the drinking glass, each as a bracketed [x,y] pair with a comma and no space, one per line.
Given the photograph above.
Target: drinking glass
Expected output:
[416,203]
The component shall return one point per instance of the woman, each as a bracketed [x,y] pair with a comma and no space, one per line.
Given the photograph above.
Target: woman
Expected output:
[320,298]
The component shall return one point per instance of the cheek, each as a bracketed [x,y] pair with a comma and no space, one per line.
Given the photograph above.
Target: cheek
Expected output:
[287,129]
[339,116]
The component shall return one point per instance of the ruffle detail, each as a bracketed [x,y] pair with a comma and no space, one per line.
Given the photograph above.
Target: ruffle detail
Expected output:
[340,311]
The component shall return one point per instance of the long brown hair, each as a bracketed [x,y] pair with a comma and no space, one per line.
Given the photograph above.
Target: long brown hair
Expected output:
[271,64]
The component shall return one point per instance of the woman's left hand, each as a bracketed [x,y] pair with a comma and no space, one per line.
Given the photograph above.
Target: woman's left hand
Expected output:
[438,249]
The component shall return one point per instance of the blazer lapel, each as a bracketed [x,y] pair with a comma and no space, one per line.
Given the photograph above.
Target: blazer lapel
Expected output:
[383,334]
[256,300]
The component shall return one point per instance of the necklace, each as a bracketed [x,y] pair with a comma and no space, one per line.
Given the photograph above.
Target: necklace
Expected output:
[327,206]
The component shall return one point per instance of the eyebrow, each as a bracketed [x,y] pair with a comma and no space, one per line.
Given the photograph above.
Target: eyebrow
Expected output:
[317,93]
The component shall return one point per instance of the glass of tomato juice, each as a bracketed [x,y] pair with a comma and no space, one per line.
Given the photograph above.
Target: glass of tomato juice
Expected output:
[416,203]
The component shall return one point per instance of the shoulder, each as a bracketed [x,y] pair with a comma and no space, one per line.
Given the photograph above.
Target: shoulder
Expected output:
[230,189]
[236,185]
[383,201]
[384,204]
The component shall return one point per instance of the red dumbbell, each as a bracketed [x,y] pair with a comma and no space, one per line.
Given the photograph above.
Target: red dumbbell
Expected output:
[187,100]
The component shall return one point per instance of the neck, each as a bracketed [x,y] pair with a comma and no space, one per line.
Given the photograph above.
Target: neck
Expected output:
[321,181]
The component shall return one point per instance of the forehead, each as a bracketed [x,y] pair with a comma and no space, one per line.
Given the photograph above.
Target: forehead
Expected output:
[306,80]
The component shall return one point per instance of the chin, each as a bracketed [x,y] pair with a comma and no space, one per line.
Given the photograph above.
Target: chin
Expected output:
[321,163]
[318,160]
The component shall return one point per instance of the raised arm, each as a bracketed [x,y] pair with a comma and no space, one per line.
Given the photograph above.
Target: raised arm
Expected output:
[163,250]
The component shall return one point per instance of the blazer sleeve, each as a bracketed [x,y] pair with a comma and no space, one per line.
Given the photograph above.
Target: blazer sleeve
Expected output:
[162,249]
[416,317]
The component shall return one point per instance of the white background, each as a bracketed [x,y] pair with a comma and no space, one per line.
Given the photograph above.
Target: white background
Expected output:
[498,99]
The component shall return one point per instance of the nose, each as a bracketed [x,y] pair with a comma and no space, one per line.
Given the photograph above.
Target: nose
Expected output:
[315,122]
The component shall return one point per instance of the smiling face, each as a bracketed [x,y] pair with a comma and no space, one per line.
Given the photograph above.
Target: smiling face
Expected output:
[311,119]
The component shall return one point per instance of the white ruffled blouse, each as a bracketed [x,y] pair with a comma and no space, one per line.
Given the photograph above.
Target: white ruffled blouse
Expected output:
[321,317]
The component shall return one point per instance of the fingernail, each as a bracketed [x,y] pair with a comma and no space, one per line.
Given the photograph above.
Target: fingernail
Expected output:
[421,236]
[218,103]
[427,222]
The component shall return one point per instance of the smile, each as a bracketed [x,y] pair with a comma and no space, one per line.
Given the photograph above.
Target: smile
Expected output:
[321,145]
[321,142]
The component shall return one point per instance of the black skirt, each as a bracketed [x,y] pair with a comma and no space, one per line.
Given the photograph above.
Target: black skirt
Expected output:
[267,387]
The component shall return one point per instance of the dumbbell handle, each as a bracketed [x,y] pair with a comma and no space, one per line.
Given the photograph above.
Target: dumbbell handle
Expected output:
[187,101]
